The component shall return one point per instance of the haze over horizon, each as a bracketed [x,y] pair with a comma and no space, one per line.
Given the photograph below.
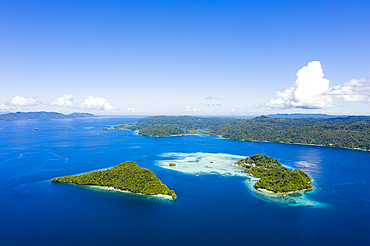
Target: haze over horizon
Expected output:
[185,57]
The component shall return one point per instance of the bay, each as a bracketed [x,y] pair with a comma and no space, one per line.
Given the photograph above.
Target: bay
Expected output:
[211,209]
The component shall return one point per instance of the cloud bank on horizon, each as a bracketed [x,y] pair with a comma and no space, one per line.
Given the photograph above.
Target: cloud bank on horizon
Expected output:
[98,103]
[63,101]
[312,91]
[66,101]
[21,101]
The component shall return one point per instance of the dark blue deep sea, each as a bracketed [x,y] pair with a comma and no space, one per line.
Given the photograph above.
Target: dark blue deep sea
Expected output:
[210,210]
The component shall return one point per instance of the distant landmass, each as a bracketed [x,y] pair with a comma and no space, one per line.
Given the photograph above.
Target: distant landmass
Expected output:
[298,116]
[43,115]
[338,131]
[127,176]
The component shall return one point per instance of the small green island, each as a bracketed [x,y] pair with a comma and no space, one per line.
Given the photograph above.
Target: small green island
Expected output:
[172,164]
[273,176]
[127,176]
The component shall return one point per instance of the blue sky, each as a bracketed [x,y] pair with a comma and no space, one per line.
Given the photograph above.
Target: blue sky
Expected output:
[185,57]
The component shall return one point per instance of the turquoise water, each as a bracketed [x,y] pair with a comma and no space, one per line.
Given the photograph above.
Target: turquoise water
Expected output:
[216,204]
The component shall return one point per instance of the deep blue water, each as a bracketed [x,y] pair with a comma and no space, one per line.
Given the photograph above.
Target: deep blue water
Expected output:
[210,210]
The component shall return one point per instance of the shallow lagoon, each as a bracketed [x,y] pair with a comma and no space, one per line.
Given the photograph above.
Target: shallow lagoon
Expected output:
[223,165]
[211,209]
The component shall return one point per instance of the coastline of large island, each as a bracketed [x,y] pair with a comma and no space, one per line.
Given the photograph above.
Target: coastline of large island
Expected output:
[351,132]
[127,176]
[273,176]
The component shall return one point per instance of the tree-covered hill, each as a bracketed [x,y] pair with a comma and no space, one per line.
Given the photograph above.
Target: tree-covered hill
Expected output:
[273,176]
[188,122]
[162,131]
[125,176]
[348,133]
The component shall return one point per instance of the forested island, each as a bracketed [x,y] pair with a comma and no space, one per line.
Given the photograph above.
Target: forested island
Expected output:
[164,126]
[127,176]
[43,115]
[156,130]
[347,132]
[273,176]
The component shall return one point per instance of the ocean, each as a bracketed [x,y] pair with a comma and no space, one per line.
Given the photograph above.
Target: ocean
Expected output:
[216,205]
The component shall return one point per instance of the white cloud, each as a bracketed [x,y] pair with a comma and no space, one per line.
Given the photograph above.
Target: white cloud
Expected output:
[188,109]
[213,105]
[98,103]
[129,110]
[352,91]
[132,110]
[21,101]
[212,98]
[63,101]
[2,106]
[309,90]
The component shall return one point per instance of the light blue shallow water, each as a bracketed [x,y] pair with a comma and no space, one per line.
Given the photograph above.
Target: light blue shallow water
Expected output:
[212,209]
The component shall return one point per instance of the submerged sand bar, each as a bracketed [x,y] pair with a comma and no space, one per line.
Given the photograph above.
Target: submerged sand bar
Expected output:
[222,164]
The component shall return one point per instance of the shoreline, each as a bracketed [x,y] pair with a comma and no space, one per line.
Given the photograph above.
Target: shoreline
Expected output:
[251,176]
[284,193]
[317,145]
[114,189]
[289,199]
[111,188]
[220,136]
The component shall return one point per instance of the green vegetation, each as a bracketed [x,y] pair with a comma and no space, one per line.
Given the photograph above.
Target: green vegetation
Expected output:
[348,132]
[125,176]
[172,165]
[273,176]
[188,122]
[164,126]
[162,131]
[150,130]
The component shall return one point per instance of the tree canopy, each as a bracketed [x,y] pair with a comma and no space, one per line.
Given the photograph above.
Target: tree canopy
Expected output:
[125,176]
[273,176]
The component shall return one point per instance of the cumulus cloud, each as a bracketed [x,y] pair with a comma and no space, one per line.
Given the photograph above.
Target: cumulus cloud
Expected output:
[21,101]
[98,103]
[2,106]
[63,101]
[212,98]
[352,91]
[132,110]
[188,109]
[309,91]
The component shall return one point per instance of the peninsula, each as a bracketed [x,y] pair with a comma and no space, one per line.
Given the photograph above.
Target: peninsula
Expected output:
[273,176]
[127,176]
